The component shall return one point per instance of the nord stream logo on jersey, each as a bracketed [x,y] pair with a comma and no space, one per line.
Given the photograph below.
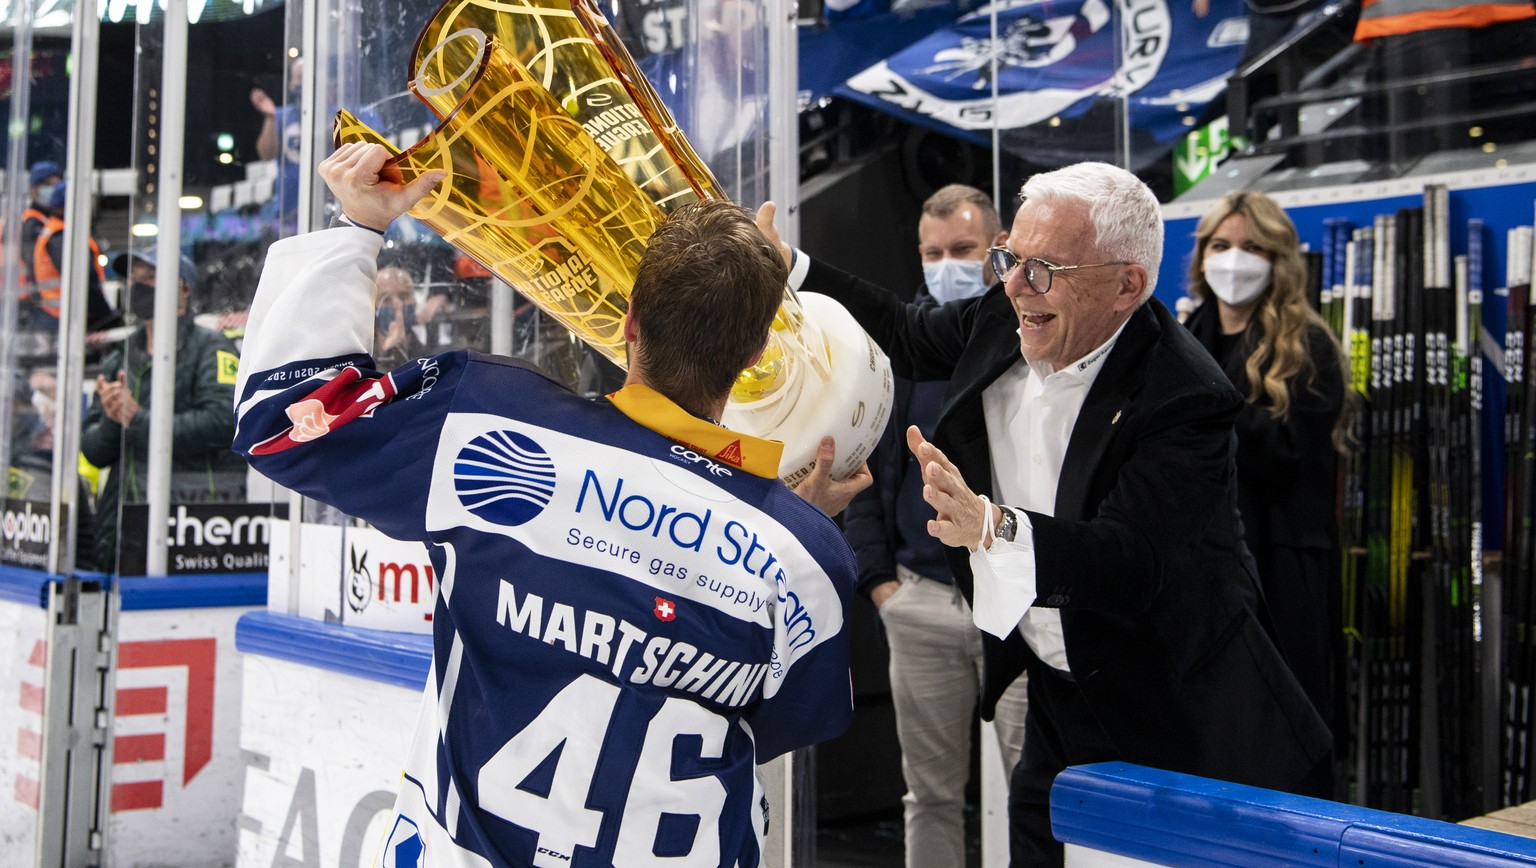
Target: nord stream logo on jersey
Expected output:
[642,516]
[504,478]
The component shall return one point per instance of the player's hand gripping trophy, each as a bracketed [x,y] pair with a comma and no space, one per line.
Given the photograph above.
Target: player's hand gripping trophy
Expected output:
[562,160]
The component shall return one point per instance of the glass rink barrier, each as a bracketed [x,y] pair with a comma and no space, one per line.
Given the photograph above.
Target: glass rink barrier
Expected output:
[529,252]
[1116,815]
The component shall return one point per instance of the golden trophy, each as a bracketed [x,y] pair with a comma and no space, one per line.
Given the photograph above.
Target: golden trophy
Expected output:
[562,160]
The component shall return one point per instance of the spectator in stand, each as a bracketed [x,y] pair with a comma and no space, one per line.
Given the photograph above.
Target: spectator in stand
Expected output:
[33,414]
[35,401]
[45,175]
[394,339]
[115,432]
[47,271]
[280,138]
[1250,282]
[935,665]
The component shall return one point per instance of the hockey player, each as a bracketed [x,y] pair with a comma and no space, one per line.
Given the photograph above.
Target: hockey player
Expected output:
[633,611]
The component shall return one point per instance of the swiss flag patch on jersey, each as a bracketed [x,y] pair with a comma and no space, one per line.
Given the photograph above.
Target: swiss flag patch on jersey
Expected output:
[666,610]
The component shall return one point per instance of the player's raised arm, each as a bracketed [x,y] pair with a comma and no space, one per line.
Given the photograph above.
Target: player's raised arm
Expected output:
[306,374]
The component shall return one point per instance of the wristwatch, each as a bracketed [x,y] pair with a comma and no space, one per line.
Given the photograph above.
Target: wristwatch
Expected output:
[1008,526]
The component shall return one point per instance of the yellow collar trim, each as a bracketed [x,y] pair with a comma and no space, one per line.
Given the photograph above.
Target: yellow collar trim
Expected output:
[657,412]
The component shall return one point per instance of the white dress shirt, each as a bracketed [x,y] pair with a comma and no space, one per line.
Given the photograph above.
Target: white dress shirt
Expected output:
[1030,411]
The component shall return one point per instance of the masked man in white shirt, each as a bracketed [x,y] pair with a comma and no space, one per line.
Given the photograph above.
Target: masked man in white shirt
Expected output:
[1082,471]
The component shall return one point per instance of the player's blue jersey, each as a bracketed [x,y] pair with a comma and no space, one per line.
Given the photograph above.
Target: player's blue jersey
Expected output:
[633,611]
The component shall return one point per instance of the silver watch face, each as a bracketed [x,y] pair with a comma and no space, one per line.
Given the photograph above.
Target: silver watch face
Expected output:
[1009,525]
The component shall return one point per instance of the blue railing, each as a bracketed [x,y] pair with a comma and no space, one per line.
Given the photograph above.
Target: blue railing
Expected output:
[1172,819]
[402,659]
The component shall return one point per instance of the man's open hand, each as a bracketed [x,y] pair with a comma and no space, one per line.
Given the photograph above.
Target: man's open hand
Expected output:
[961,512]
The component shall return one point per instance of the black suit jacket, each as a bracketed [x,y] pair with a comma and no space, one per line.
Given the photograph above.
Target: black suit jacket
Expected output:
[1287,469]
[1144,555]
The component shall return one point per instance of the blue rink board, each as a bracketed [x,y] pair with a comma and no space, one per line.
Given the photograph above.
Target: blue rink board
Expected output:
[1183,820]
[141,593]
[24,586]
[193,591]
[401,659]
[1133,811]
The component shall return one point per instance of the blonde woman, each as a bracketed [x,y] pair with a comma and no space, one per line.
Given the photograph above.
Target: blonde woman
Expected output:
[1249,279]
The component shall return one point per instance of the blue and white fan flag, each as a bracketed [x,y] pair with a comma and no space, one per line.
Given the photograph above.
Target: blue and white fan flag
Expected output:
[1059,73]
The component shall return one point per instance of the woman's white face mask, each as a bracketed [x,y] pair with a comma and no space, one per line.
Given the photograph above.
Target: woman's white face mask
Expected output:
[1237,276]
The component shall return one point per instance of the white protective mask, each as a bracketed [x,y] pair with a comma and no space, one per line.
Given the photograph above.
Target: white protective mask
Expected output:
[1237,276]
[953,279]
[43,405]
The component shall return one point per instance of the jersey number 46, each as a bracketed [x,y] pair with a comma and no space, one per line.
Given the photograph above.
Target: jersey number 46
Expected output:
[578,718]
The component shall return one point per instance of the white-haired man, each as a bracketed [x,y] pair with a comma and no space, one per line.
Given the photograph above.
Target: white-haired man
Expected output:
[1112,565]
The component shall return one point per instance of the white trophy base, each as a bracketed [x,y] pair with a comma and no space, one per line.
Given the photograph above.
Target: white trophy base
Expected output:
[852,406]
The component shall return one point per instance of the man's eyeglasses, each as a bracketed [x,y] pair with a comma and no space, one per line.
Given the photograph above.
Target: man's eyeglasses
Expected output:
[1037,272]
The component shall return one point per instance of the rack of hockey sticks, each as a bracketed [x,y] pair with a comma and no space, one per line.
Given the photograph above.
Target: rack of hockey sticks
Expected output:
[1409,318]
[1519,661]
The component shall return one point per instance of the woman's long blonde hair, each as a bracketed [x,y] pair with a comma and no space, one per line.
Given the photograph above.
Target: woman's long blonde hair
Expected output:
[1283,312]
